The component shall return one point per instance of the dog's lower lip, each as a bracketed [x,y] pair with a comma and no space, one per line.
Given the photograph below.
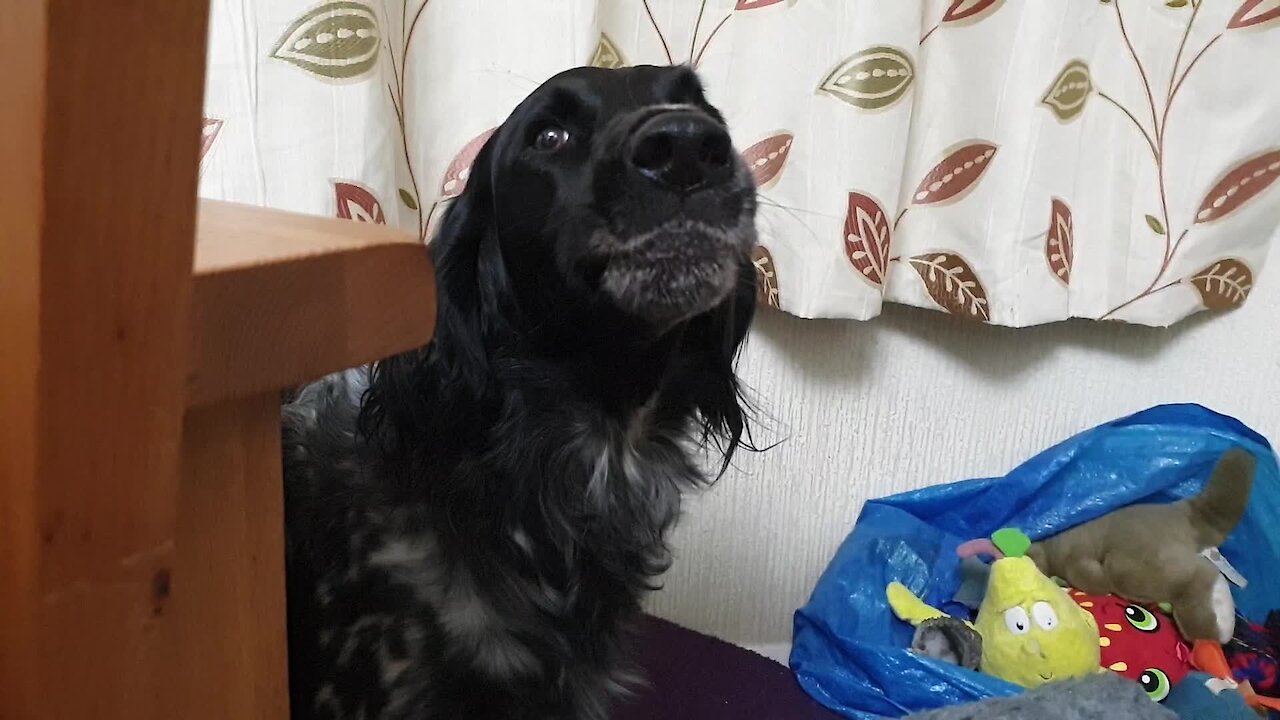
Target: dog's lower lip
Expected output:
[677,236]
[654,256]
[689,248]
[667,267]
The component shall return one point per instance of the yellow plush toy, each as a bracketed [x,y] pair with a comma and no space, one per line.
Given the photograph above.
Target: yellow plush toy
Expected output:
[1032,631]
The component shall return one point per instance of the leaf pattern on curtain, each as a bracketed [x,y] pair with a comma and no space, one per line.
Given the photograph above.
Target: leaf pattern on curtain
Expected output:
[952,284]
[335,40]
[1254,12]
[1059,248]
[209,129]
[607,54]
[767,293]
[902,152]
[1070,91]
[357,202]
[1239,186]
[1224,284]
[873,79]
[456,175]
[948,278]
[766,158]
[867,238]
[1228,281]
[957,10]
[955,173]
[963,9]
[459,171]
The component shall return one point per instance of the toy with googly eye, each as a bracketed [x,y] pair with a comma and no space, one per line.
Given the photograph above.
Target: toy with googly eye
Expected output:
[1137,642]
[1032,632]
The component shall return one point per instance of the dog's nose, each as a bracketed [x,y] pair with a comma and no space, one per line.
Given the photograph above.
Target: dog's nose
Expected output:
[682,151]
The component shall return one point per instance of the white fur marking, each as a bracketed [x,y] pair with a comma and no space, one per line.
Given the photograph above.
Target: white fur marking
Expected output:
[411,560]
[471,621]
[599,482]
[522,541]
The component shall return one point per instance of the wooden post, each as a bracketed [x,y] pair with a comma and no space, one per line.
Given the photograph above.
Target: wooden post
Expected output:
[230,601]
[99,132]
[141,518]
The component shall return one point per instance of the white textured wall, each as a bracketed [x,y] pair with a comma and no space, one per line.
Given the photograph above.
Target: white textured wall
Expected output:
[914,398]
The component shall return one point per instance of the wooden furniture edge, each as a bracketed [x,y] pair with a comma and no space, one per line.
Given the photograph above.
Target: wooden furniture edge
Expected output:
[279,299]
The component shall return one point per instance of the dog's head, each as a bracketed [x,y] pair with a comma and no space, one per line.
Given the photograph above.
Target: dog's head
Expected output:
[602,243]
[614,196]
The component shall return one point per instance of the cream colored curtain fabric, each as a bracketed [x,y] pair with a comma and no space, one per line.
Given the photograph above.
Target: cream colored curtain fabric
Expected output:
[1014,162]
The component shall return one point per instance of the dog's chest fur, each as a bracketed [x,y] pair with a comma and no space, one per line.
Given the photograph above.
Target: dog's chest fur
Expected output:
[502,593]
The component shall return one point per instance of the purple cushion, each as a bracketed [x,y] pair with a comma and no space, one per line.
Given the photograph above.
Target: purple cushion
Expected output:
[698,677]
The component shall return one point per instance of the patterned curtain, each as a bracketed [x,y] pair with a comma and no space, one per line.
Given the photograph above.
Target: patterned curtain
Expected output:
[1010,162]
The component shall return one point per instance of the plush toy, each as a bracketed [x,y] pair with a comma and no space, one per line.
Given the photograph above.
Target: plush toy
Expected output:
[950,640]
[1137,642]
[1152,553]
[1201,696]
[1207,655]
[1097,697]
[1031,631]
[1254,653]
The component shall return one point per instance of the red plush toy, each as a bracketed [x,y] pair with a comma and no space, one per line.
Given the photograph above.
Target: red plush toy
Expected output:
[1140,643]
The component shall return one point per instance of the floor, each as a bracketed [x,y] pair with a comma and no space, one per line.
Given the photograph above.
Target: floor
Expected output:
[778,652]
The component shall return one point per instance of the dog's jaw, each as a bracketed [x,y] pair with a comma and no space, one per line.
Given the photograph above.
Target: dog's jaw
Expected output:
[676,271]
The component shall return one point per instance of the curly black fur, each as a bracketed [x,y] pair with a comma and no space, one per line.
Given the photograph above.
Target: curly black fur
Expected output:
[472,525]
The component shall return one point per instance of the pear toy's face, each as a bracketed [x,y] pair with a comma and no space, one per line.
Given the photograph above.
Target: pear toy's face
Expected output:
[1032,632]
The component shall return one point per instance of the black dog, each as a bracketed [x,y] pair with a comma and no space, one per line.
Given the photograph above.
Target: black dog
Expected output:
[472,525]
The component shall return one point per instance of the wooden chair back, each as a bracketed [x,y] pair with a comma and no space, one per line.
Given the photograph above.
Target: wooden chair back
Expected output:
[144,340]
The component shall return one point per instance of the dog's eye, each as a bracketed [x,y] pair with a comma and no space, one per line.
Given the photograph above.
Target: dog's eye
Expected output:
[550,138]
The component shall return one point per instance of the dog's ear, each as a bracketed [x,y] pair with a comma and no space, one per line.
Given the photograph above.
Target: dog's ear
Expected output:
[402,388]
[713,341]
[460,252]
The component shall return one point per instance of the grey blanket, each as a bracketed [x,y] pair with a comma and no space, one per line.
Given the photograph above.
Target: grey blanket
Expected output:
[1098,697]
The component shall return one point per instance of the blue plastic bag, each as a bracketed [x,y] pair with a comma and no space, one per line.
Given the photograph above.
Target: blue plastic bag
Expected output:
[849,652]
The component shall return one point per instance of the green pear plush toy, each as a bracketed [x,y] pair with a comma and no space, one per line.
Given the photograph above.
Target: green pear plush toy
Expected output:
[1032,631]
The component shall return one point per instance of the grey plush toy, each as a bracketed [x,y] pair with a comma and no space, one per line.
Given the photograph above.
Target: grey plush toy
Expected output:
[950,640]
[1151,553]
[1105,696]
